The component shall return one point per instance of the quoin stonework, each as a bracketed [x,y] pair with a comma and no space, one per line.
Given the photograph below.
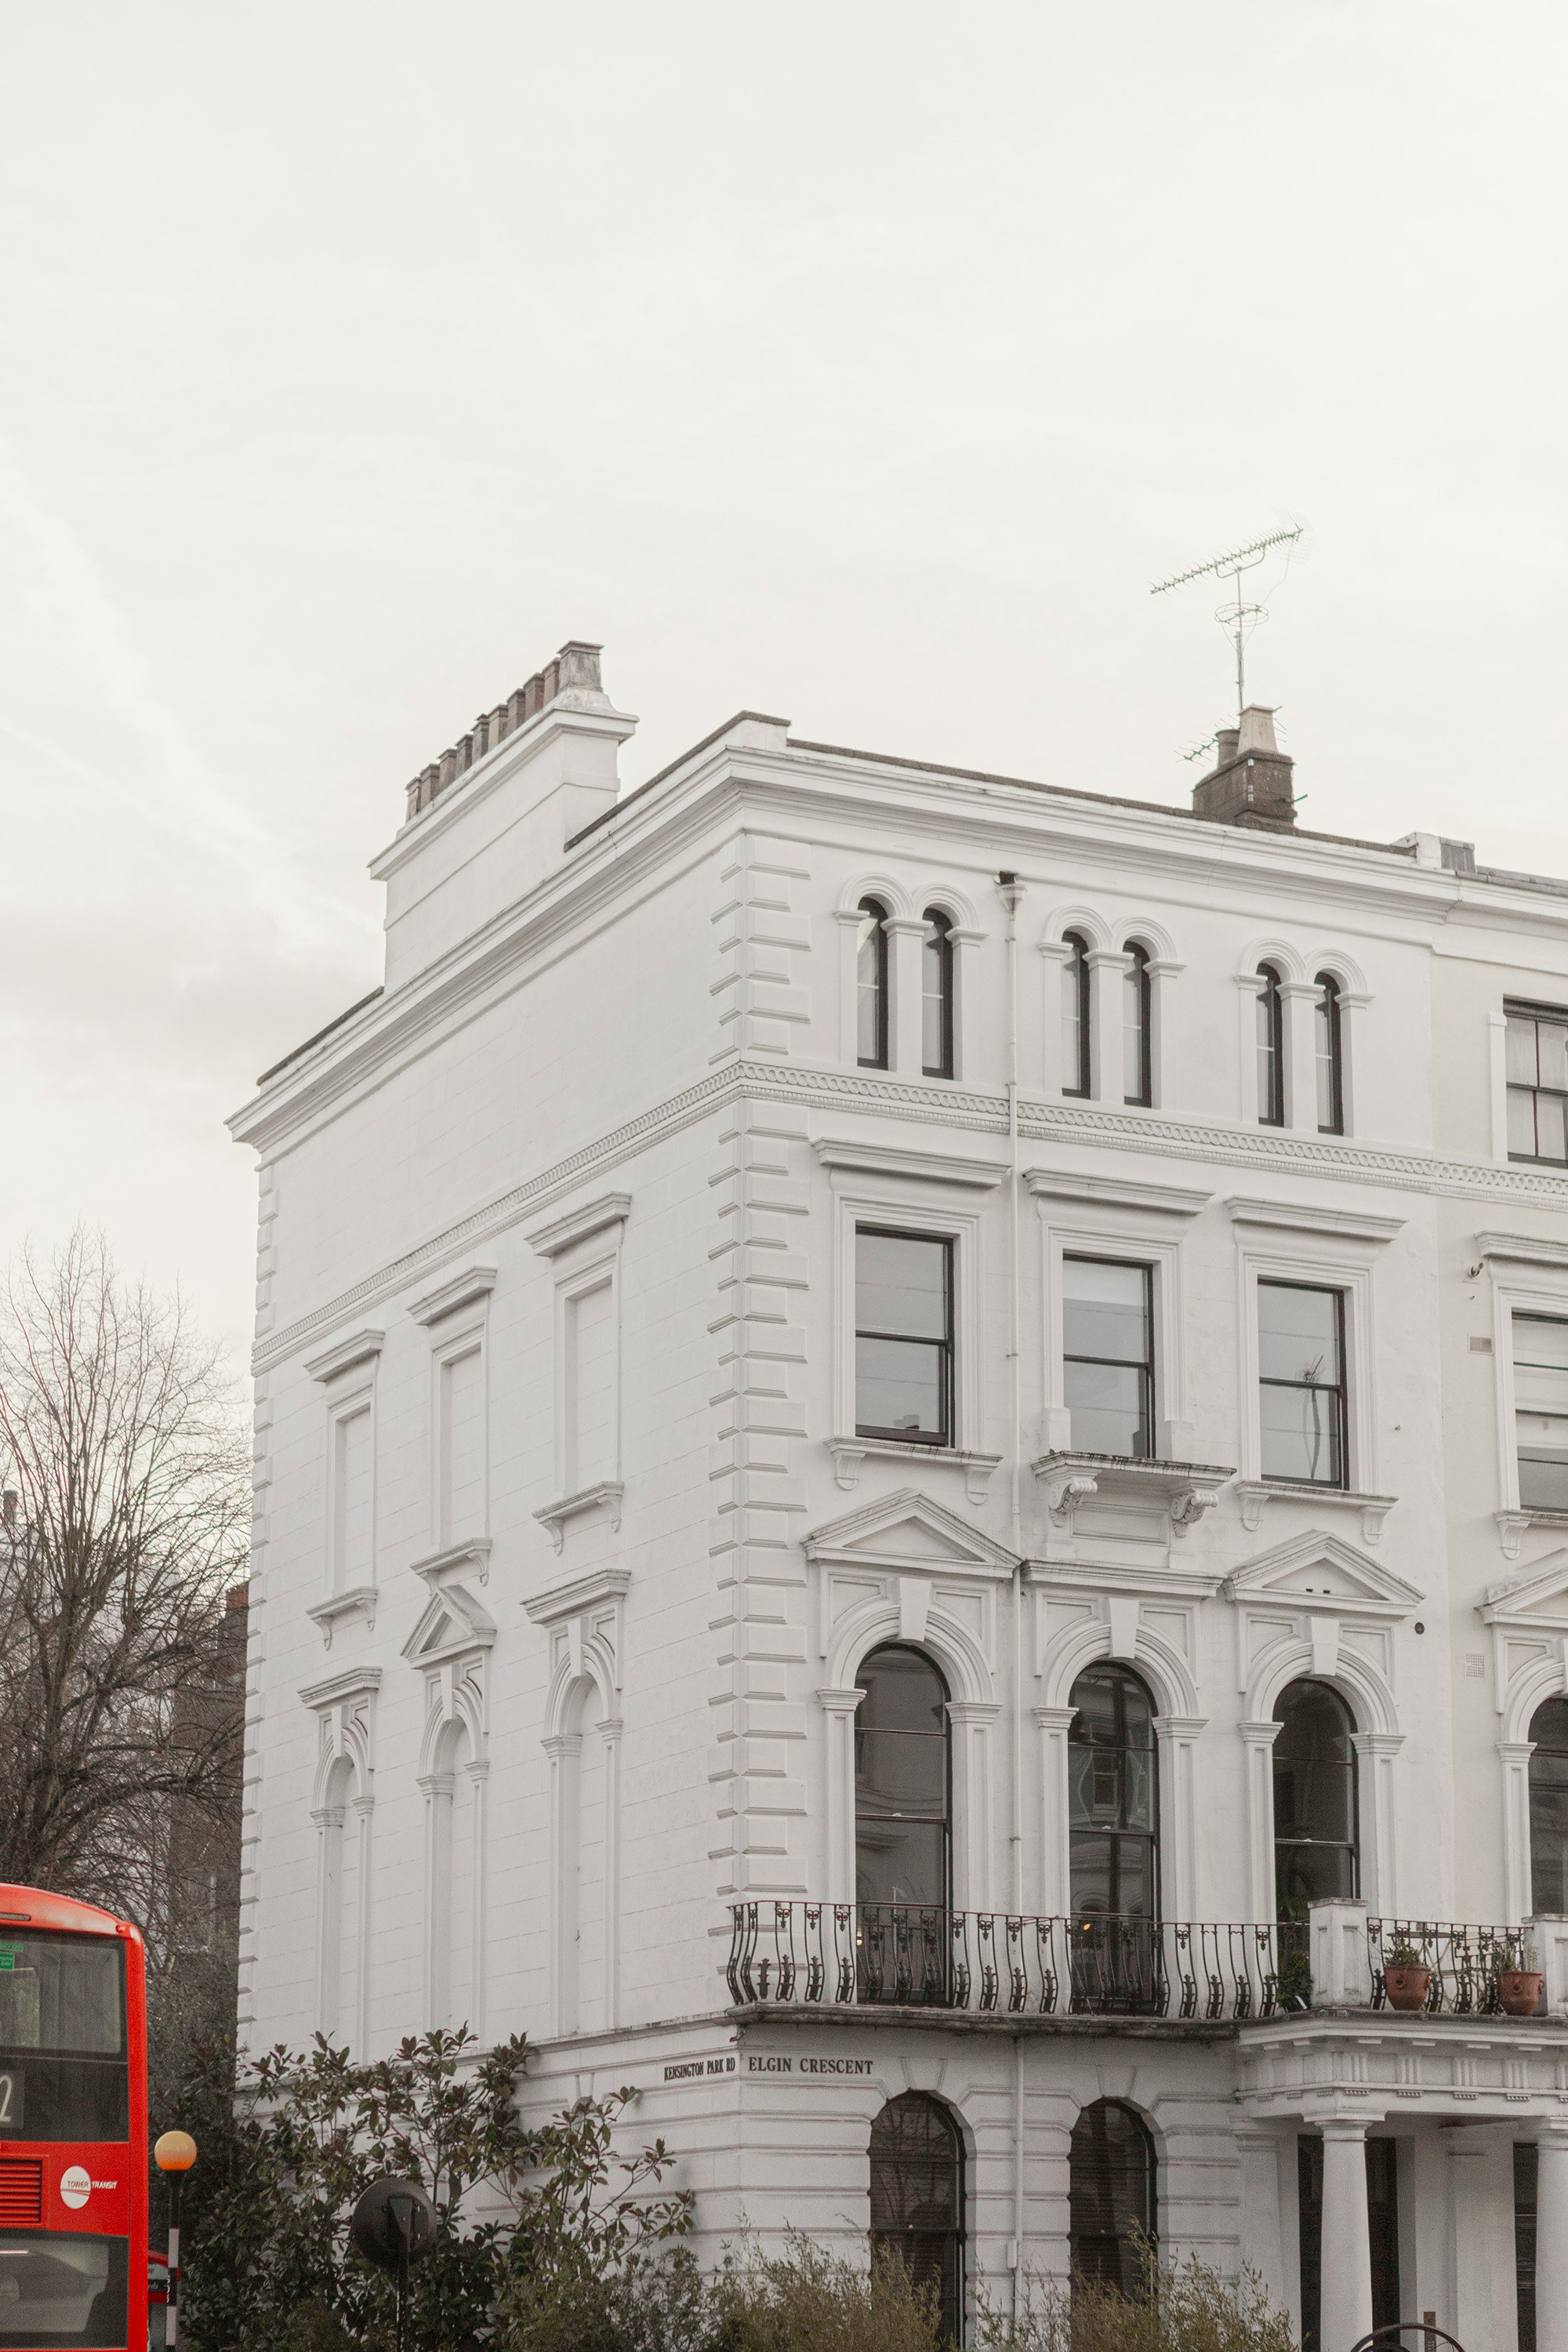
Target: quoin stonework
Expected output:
[912,1491]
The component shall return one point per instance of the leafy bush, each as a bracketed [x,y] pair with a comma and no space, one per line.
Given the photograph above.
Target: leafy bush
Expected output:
[1183,2307]
[808,2300]
[304,2133]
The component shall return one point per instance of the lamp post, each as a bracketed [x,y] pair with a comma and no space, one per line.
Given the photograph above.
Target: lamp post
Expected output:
[173,2156]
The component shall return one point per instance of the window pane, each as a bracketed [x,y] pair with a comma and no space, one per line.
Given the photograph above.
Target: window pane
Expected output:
[1134,1009]
[1106,1405]
[900,1772]
[870,944]
[1105,1310]
[1305,1875]
[899,1386]
[1552,1127]
[1522,1121]
[1326,1026]
[903,1693]
[61,1992]
[1541,1339]
[1551,1045]
[60,2289]
[1297,1333]
[1075,1044]
[1521,1050]
[1548,1842]
[901,1861]
[1299,1430]
[935,968]
[900,1284]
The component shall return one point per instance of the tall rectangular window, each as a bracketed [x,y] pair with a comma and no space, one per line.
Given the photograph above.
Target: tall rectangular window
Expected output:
[462,1446]
[1075,1043]
[1108,1355]
[352,1473]
[1270,1049]
[590,1386]
[1540,1411]
[903,1337]
[1537,1082]
[1301,1374]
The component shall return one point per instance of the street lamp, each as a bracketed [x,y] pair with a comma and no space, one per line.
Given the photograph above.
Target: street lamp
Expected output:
[173,2156]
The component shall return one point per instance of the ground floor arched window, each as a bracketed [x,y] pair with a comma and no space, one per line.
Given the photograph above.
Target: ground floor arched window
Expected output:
[1112,2214]
[917,2198]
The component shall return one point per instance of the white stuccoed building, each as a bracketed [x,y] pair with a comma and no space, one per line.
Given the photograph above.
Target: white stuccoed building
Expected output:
[854,1499]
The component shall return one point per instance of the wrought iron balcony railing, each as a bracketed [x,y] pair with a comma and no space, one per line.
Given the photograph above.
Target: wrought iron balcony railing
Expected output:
[992,1963]
[1464,1963]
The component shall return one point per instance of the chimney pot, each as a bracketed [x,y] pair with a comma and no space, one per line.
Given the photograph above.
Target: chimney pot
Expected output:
[1250,781]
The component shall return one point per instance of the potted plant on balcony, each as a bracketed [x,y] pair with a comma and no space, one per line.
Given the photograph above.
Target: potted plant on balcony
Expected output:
[1406,1979]
[1516,1979]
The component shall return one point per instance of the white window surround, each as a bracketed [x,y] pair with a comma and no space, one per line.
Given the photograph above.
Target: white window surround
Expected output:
[344,1706]
[1299,993]
[1138,1231]
[1108,964]
[347,1372]
[448,1648]
[1526,1616]
[909,1571]
[1528,1276]
[584,1621]
[1315,1607]
[584,1250]
[469,1288]
[459,1338]
[1333,1250]
[895,1206]
[906,938]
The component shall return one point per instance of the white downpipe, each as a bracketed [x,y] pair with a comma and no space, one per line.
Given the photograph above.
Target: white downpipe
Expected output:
[1012,892]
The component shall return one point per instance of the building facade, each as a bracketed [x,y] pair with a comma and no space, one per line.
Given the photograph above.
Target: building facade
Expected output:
[894,1407]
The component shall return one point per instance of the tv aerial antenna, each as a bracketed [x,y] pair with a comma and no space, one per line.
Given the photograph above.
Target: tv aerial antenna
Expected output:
[1240,617]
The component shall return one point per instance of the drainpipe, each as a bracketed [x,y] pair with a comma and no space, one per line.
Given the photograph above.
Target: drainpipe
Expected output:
[1012,892]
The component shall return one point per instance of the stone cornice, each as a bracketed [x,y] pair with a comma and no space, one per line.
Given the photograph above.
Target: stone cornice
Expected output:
[947,1107]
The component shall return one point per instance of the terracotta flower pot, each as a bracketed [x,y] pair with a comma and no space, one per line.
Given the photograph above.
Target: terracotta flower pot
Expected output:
[1519,1991]
[1407,1988]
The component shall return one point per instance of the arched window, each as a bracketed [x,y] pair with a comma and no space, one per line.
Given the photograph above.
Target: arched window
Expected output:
[1137,1035]
[936,995]
[1316,1835]
[1113,1841]
[1549,1807]
[1270,1049]
[1330,1056]
[1074,1015]
[917,2198]
[871,985]
[1111,2209]
[903,1783]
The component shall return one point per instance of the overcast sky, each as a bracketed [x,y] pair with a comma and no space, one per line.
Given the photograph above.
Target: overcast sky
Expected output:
[858,362]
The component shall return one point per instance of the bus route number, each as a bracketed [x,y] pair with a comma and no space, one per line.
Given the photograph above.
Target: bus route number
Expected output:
[10,2105]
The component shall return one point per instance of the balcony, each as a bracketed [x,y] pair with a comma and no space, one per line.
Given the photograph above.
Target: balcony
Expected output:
[879,1956]
[912,1957]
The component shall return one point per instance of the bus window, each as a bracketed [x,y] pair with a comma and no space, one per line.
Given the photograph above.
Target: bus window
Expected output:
[60,2289]
[63,2074]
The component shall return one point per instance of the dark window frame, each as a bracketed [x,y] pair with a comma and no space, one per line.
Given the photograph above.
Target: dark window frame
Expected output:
[947,1346]
[878,939]
[1083,1257]
[942,924]
[914,1650]
[953,2286]
[1351,1845]
[1137,979]
[1076,975]
[1328,1009]
[1113,1673]
[1339,1391]
[1519,1009]
[1125,2270]
[1536,1780]
[1520,1460]
[1271,1044]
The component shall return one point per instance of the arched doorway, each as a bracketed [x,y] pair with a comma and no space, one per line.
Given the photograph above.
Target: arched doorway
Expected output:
[1549,1807]
[903,1828]
[1112,2210]
[1113,1817]
[917,2198]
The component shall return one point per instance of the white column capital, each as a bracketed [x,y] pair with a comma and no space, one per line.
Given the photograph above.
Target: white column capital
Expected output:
[840,1702]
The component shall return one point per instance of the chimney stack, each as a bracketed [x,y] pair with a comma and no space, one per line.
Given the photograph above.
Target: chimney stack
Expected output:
[1250,782]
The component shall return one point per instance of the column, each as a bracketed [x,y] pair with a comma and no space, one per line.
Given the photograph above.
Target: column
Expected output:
[1262,2237]
[1257,1742]
[1178,1738]
[1346,2304]
[1551,2240]
[1053,1724]
[838,1707]
[1299,1006]
[1376,1751]
[973,1879]
[905,937]
[1107,971]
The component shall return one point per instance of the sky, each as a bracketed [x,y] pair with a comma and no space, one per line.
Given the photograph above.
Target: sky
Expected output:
[860,363]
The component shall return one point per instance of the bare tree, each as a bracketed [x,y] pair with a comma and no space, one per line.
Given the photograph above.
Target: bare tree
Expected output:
[124,1460]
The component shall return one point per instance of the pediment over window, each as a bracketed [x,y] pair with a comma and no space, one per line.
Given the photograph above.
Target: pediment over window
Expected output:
[908,1531]
[1318,1572]
[1539,1598]
[452,1624]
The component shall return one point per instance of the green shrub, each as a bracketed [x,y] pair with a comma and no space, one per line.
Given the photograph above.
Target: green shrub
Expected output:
[808,2300]
[1184,2307]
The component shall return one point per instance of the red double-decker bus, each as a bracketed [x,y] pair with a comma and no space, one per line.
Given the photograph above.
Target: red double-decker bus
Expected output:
[73,2126]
